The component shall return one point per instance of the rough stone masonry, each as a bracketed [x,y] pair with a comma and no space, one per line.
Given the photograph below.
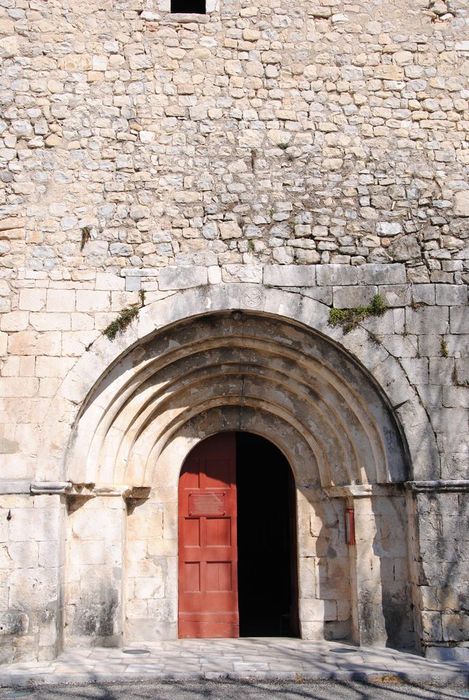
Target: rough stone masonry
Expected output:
[277,161]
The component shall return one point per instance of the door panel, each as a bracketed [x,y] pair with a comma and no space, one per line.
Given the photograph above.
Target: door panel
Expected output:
[208,595]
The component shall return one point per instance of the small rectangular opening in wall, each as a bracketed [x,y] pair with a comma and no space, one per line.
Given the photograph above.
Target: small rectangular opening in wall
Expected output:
[189,6]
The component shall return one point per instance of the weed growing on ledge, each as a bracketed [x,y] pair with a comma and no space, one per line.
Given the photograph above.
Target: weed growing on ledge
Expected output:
[124,319]
[350,318]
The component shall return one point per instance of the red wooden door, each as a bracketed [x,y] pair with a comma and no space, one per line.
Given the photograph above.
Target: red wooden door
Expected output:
[208,580]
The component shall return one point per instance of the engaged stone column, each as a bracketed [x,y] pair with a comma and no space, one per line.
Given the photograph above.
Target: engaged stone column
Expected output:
[368,622]
[93,589]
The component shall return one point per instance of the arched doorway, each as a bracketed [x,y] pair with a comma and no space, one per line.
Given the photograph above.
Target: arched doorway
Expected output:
[237,540]
[271,374]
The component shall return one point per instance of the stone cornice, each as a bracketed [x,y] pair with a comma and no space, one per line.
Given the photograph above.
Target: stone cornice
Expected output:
[67,488]
[438,485]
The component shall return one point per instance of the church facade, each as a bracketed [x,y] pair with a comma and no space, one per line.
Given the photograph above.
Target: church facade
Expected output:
[234,323]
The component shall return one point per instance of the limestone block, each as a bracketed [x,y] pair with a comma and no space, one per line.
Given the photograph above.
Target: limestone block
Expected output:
[451,294]
[290,275]
[21,387]
[392,378]
[461,203]
[107,281]
[350,297]
[11,223]
[459,320]
[423,293]
[32,343]
[60,300]
[396,294]
[427,320]
[242,273]
[405,248]
[23,555]
[14,622]
[388,72]
[32,299]
[337,275]
[229,229]
[90,300]
[385,228]
[400,346]
[462,371]
[455,627]
[51,321]
[416,369]
[313,610]
[151,588]
[14,321]
[182,277]
[53,366]
[456,396]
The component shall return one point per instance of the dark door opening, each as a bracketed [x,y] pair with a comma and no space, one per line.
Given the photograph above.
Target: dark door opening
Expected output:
[267,556]
[188,6]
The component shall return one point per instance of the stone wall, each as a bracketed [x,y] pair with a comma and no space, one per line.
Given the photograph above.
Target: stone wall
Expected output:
[31,571]
[318,149]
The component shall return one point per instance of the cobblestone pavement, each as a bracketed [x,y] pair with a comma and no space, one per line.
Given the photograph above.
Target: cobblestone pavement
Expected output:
[262,659]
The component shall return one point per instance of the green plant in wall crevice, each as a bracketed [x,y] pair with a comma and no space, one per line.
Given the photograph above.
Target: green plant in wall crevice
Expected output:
[124,318]
[349,319]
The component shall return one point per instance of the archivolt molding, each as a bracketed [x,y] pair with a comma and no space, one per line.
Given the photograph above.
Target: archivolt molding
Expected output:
[193,353]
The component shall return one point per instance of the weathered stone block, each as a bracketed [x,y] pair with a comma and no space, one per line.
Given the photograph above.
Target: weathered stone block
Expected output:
[14,321]
[459,320]
[461,203]
[455,627]
[441,370]
[456,396]
[229,229]
[423,293]
[182,277]
[89,300]
[395,295]
[32,299]
[350,297]
[329,275]
[60,300]
[451,294]
[242,273]
[427,320]
[290,275]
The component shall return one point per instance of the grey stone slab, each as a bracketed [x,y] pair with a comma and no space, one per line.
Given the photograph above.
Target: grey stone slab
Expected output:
[350,297]
[423,293]
[182,277]
[427,320]
[451,294]
[290,275]
[459,319]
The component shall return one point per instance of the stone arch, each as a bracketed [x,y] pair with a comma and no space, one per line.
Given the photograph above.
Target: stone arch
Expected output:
[219,358]
[82,392]
[245,360]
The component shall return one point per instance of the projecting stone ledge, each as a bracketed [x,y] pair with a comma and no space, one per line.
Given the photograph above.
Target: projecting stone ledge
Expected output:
[439,485]
[50,487]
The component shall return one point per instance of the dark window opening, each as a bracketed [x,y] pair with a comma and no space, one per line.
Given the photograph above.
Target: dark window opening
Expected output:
[267,570]
[188,6]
